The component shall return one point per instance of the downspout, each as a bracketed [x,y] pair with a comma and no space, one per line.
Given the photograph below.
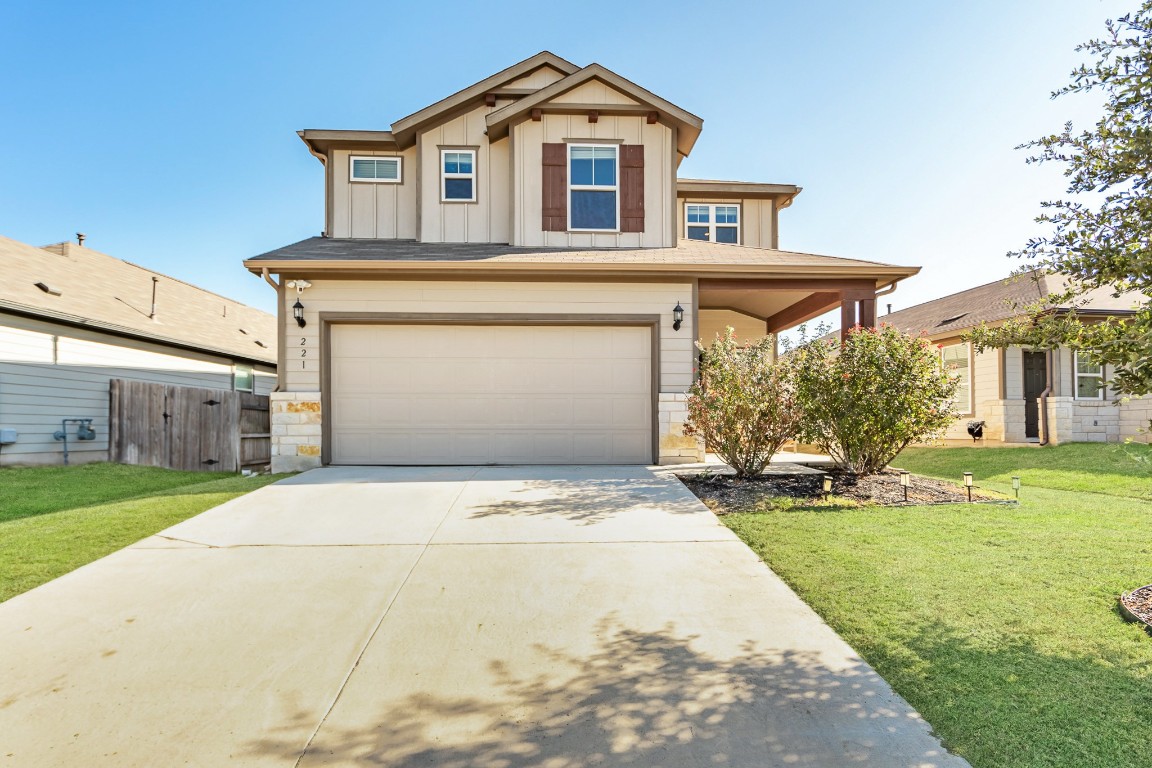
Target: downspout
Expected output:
[890,289]
[280,355]
[268,278]
[1044,397]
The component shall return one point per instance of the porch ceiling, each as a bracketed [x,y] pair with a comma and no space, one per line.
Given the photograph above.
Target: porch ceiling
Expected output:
[760,304]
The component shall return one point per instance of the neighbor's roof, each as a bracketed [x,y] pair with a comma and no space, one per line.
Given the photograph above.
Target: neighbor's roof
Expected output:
[86,288]
[1002,300]
[689,257]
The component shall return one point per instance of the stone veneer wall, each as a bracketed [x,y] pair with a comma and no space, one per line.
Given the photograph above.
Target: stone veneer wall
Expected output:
[675,446]
[297,424]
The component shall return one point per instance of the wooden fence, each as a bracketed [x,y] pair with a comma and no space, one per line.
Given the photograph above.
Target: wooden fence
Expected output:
[210,430]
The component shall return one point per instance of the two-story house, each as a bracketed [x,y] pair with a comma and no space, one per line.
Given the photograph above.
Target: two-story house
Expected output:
[515,274]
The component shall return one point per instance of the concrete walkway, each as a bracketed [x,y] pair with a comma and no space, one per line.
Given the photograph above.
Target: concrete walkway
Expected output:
[523,616]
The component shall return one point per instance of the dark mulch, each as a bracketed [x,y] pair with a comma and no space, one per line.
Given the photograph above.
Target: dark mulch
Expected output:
[726,494]
[1139,604]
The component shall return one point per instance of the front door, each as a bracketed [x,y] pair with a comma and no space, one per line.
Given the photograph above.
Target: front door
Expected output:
[1035,382]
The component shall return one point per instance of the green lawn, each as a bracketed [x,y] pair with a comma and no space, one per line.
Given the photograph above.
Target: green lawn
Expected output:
[999,624]
[56,519]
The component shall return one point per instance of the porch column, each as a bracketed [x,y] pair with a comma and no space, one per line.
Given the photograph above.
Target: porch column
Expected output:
[847,317]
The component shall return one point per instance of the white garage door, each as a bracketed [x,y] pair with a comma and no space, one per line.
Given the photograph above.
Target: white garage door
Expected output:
[440,394]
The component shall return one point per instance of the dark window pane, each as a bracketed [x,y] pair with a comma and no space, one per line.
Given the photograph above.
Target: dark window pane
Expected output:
[581,171]
[457,189]
[697,233]
[725,234]
[605,174]
[593,210]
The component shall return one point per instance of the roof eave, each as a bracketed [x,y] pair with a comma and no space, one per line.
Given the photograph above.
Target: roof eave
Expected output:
[320,142]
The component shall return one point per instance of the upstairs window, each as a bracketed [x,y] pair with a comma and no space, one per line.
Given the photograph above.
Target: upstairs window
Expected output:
[593,192]
[713,223]
[458,175]
[957,361]
[384,170]
[1089,378]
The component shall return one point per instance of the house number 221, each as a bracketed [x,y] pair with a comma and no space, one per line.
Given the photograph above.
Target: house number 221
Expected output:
[303,353]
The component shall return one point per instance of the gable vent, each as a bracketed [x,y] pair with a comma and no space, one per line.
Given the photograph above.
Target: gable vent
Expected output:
[48,289]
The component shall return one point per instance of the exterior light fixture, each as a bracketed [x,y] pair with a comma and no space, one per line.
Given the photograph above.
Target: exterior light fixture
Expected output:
[968,484]
[827,486]
[677,316]
[905,481]
[298,313]
[1016,486]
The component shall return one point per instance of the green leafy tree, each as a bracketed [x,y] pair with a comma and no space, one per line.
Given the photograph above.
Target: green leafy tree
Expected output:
[867,400]
[744,404]
[1102,235]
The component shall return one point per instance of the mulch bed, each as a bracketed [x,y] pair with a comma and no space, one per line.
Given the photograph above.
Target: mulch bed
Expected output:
[725,494]
[1138,604]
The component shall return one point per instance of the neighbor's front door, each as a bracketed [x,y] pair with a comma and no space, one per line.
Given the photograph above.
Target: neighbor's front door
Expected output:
[1035,381]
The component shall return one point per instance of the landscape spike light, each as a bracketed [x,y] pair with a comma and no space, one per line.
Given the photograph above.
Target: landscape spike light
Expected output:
[1016,486]
[968,484]
[827,486]
[905,481]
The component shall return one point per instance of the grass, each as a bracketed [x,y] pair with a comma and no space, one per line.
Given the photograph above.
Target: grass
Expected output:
[56,519]
[999,624]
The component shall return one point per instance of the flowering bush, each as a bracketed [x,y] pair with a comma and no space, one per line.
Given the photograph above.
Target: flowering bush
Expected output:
[865,402]
[744,404]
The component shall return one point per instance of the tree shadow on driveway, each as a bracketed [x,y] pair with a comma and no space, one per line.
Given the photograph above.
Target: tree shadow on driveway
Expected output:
[638,698]
[592,500]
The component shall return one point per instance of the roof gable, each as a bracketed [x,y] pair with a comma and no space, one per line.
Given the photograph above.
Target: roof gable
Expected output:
[404,130]
[554,97]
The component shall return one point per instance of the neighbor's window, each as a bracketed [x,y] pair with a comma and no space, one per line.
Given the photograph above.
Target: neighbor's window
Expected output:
[1089,378]
[593,199]
[458,175]
[713,223]
[378,169]
[243,379]
[957,361]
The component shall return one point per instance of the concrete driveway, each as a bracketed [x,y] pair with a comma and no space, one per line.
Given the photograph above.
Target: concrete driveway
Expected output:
[510,616]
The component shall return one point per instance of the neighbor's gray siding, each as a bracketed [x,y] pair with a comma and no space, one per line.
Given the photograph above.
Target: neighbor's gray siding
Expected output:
[50,372]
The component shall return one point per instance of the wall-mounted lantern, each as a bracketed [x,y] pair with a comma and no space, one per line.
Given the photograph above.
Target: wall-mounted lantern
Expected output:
[677,316]
[298,313]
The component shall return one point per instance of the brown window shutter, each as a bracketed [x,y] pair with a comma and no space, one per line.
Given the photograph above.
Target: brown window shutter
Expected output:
[632,188]
[554,191]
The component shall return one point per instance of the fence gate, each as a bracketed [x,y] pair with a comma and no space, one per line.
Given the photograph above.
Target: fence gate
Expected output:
[162,425]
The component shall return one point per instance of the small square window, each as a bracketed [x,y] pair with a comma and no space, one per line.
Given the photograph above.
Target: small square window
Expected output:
[376,169]
[1090,380]
[457,175]
[243,378]
[713,223]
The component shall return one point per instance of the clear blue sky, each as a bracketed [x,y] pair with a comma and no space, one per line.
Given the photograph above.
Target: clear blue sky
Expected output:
[166,131]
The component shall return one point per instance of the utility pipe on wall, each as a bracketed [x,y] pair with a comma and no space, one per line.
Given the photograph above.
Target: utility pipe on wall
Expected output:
[1044,397]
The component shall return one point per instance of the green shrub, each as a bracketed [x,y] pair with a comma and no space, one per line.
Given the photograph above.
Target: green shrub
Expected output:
[866,401]
[744,404]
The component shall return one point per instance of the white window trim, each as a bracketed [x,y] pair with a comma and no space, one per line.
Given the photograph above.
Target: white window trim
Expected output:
[971,409]
[1076,376]
[399,169]
[592,188]
[445,176]
[712,221]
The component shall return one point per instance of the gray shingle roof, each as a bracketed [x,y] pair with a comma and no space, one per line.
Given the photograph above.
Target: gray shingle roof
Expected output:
[997,301]
[687,253]
[93,289]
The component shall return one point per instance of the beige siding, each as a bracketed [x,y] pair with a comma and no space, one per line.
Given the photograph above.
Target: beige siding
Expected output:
[369,209]
[484,221]
[539,79]
[49,373]
[594,92]
[714,321]
[302,373]
[527,140]
[755,219]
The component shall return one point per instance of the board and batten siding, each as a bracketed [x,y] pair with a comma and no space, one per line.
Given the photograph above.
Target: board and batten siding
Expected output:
[50,372]
[528,139]
[302,372]
[484,221]
[373,210]
[756,219]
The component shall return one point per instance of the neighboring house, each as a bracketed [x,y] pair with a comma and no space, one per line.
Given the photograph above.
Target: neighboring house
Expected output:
[515,274]
[71,319]
[1006,388]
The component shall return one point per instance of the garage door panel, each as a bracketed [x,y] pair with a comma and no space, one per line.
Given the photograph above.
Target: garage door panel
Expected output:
[432,394]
